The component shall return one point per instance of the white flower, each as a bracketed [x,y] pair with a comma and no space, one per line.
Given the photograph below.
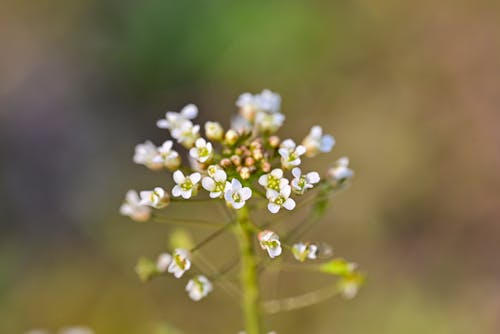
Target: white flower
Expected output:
[186,133]
[268,101]
[273,180]
[186,185]
[212,169]
[240,124]
[146,154]
[269,122]
[203,150]
[316,142]
[270,242]
[214,131]
[302,251]
[303,182]
[166,156]
[280,199]
[174,120]
[216,184]
[181,262]
[163,261]
[262,109]
[198,287]
[236,195]
[156,198]
[134,209]
[290,153]
[340,172]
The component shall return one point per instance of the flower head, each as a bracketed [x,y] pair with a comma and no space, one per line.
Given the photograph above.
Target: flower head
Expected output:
[279,199]
[181,262]
[166,156]
[262,109]
[302,251]
[216,184]
[163,261]
[198,287]
[186,133]
[186,185]
[156,198]
[147,154]
[290,153]
[203,150]
[340,172]
[273,180]
[301,183]
[269,122]
[316,142]
[270,242]
[133,208]
[236,195]
[174,120]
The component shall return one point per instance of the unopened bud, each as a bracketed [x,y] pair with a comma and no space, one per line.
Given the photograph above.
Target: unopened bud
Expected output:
[231,137]
[274,141]
[248,112]
[258,154]
[173,163]
[265,166]
[214,131]
[245,173]
[249,161]
[236,160]
[225,163]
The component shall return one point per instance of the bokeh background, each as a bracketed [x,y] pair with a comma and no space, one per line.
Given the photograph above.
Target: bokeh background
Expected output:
[410,90]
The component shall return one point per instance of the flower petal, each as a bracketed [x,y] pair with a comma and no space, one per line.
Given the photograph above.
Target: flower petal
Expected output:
[176,191]
[190,111]
[179,177]
[289,204]
[273,208]
[208,183]
[296,172]
[313,177]
[195,177]
[245,193]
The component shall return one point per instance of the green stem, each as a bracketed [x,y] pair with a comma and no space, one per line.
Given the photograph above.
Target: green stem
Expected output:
[249,280]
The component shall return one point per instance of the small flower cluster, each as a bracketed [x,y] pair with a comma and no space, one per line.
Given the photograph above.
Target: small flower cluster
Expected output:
[176,264]
[246,163]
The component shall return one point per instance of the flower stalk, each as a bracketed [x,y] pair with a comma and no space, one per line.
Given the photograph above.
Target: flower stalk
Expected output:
[249,277]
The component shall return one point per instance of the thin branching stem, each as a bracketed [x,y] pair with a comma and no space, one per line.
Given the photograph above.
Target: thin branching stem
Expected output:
[212,236]
[198,222]
[297,302]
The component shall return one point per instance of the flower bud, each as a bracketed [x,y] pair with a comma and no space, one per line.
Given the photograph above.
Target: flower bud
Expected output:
[265,166]
[258,154]
[245,173]
[214,131]
[274,141]
[231,137]
[249,161]
[248,112]
[236,160]
[173,163]
[225,163]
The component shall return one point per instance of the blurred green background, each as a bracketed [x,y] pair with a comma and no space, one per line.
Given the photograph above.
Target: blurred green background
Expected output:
[410,90]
